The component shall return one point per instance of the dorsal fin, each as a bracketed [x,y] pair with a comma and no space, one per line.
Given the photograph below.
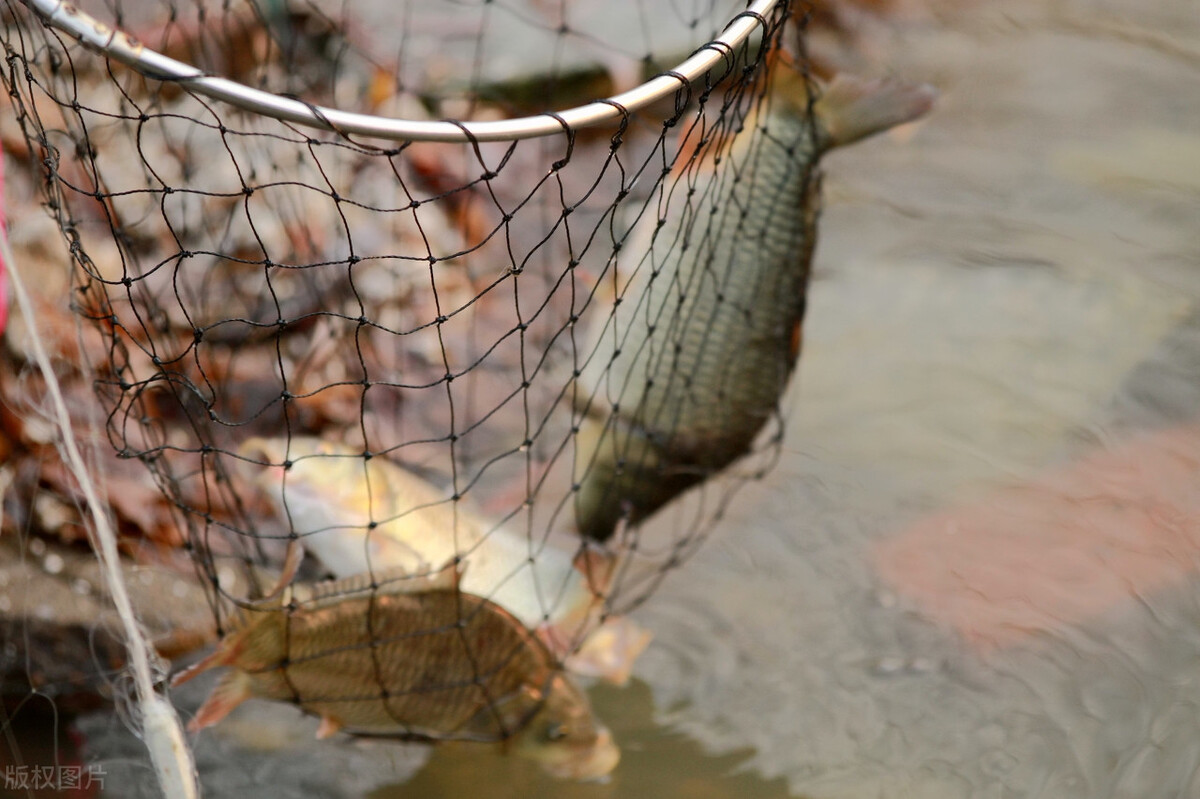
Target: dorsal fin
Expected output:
[386,582]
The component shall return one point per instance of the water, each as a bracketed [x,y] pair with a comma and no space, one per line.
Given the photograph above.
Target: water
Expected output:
[1008,290]
[647,745]
[1001,290]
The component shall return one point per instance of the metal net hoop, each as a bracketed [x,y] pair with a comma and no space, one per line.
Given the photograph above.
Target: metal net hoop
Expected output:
[207,267]
[125,48]
[298,335]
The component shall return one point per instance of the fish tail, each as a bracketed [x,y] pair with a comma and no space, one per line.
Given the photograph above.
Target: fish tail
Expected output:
[231,691]
[851,108]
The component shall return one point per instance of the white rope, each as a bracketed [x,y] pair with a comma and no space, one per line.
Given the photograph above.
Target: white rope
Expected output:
[161,730]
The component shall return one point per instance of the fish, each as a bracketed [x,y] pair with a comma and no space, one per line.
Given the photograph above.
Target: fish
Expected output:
[357,516]
[707,300]
[408,656]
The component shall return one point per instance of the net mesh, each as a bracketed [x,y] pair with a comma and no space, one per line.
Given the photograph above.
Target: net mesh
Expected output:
[372,349]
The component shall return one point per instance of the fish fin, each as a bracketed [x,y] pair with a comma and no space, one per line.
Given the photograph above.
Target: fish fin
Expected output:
[449,576]
[223,655]
[328,727]
[795,344]
[276,597]
[174,644]
[393,581]
[851,108]
[610,651]
[231,691]
[494,720]
[291,564]
[401,581]
[554,638]
[597,564]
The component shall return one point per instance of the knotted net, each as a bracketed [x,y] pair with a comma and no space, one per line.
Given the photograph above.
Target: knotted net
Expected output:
[371,348]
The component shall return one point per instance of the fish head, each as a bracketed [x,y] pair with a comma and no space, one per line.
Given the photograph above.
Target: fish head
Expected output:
[564,737]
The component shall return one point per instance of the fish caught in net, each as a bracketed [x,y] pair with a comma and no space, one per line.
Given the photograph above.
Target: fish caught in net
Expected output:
[412,402]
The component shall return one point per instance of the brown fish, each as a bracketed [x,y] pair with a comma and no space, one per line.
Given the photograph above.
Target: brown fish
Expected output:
[409,657]
[704,330]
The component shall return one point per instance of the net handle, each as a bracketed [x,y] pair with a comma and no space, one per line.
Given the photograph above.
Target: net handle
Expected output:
[121,46]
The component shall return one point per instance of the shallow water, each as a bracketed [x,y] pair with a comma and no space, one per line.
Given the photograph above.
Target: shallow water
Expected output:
[1001,290]
[1012,288]
[647,748]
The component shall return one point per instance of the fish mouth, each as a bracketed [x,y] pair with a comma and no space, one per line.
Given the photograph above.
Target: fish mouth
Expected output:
[590,763]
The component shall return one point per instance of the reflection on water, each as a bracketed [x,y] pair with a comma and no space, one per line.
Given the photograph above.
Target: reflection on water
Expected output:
[269,751]
[655,762]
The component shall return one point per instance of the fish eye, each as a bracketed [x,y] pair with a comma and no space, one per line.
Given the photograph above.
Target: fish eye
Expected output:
[555,731]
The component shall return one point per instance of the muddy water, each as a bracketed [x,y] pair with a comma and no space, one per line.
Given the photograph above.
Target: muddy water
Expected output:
[1002,292]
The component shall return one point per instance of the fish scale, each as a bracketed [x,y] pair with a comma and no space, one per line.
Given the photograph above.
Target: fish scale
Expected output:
[403,664]
[414,657]
[719,390]
[700,344]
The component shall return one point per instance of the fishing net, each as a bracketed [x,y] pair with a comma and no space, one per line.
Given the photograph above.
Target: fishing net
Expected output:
[305,331]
